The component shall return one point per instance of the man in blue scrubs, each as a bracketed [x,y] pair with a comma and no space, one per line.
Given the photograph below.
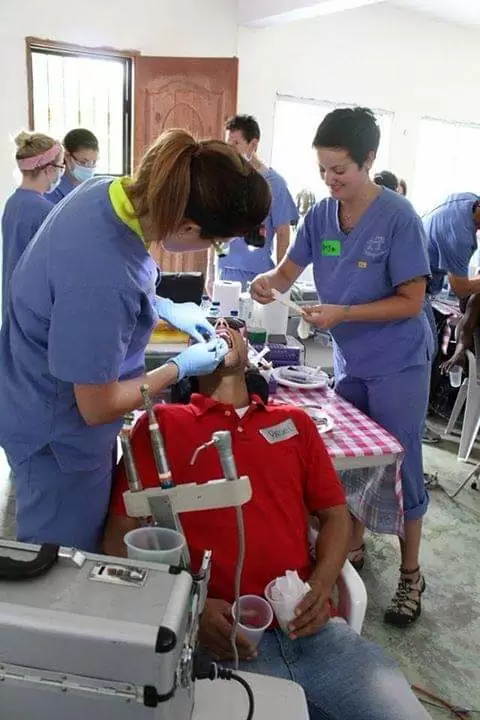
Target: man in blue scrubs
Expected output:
[244,262]
[368,251]
[81,155]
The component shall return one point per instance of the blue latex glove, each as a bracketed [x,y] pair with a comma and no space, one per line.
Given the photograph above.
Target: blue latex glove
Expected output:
[200,359]
[187,317]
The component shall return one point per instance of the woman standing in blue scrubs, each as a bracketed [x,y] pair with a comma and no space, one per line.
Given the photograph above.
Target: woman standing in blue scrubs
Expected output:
[81,311]
[40,160]
[81,155]
[370,265]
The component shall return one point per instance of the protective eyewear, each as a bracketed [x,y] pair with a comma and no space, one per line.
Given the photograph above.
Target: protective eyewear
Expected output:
[231,322]
[85,163]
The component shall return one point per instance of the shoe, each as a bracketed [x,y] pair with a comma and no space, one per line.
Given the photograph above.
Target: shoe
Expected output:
[430,437]
[406,605]
[357,557]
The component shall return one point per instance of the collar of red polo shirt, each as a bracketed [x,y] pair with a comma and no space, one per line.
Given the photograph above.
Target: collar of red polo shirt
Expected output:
[201,404]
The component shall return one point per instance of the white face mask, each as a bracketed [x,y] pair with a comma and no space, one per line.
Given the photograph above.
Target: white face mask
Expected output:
[55,183]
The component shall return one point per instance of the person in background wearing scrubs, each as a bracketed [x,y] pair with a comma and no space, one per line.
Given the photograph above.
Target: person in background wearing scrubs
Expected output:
[80,313]
[386,179]
[243,262]
[368,251]
[40,160]
[81,155]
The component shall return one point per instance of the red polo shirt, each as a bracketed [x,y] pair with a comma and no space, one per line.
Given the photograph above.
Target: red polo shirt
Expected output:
[291,474]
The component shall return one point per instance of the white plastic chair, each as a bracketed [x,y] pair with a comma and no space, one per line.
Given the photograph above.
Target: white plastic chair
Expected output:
[470,393]
[352,594]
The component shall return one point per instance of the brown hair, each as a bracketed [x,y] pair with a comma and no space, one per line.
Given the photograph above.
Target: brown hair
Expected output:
[31,144]
[207,182]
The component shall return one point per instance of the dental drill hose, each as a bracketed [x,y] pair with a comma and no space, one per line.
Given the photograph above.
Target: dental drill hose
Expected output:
[164,474]
[222,440]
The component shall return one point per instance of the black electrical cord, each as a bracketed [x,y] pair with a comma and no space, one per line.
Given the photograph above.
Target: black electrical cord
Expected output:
[205,670]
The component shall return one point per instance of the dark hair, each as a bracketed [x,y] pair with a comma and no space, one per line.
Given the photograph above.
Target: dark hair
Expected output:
[80,138]
[352,129]
[247,125]
[206,182]
[386,179]
[403,185]
[256,385]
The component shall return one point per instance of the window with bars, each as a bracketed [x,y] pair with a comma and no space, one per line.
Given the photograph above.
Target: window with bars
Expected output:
[296,121]
[73,88]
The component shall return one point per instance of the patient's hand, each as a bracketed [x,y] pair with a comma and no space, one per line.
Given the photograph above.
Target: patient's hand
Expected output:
[312,613]
[215,629]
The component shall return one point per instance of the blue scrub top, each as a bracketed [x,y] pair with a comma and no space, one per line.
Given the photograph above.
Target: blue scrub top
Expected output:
[283,211]
[386,248]
[64,188]
[25,210]
[451,238]
[81,311]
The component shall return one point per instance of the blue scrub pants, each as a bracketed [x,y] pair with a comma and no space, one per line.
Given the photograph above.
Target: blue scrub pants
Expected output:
[235,274]
[398,402]
[65,508]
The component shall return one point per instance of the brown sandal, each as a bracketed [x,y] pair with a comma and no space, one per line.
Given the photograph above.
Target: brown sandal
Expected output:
[406,605]
[357,557]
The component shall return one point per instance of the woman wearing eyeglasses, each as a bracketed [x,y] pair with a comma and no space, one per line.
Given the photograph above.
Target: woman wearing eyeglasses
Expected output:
[40,161]
[80,313]
[81,156]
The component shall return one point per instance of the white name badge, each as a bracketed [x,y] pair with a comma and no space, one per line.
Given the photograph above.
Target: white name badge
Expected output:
[277,433]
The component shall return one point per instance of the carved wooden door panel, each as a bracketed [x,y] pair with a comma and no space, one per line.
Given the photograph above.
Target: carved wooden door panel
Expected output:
[196,94]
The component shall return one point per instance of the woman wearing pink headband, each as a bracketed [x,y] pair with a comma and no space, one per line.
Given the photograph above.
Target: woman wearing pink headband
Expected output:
[40,160]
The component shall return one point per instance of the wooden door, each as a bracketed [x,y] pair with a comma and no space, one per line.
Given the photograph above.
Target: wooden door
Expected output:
[196,94]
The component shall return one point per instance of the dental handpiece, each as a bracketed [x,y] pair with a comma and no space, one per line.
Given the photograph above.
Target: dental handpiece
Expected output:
[163,470]
[134,483]
[222,440]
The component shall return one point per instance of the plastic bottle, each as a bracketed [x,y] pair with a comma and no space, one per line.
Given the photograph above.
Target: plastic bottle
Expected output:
[214,311]
[205,304]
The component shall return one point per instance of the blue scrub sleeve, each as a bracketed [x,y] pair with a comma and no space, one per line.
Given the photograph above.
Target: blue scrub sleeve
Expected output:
[408,257]
[456,243]
[90,333]
[300,251]
[283,210]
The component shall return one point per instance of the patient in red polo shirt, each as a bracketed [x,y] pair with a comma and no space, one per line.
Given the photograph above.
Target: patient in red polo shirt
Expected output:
[344,676]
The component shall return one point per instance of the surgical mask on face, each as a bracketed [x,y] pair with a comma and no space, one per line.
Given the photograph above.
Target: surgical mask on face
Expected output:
[82,173]
[248,157]
[55,183]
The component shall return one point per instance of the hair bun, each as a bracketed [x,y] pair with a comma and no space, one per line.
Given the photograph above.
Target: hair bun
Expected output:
[23,139]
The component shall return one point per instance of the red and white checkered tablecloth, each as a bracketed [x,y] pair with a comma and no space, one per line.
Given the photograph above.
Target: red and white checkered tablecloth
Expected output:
[367,457]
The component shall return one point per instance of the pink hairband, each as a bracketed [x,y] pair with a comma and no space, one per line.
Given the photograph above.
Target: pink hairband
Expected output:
[38,161]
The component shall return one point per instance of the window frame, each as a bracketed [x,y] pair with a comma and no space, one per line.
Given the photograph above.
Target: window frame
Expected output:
[51,47]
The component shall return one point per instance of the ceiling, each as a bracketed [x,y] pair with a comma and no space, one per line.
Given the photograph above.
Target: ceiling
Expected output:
[466,12]
[262,13]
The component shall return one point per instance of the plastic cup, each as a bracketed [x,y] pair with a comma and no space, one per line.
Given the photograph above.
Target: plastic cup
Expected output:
[455,376]
[155,544]
[284,609]
[255,617]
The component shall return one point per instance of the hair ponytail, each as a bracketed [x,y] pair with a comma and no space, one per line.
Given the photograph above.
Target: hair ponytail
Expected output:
[207,183]
[161,184]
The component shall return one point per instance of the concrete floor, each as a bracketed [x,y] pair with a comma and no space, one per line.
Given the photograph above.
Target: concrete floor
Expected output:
[441,651]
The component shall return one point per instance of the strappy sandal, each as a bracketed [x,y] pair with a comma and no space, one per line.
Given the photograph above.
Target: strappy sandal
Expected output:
[406,605]
[357,557]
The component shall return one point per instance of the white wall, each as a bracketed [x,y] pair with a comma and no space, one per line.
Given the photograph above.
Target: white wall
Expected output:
[153,27]
[379,56]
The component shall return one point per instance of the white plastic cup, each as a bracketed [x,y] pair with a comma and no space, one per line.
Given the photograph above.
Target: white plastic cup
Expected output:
[455,374]
[255,617]
[155,544]
[284,609]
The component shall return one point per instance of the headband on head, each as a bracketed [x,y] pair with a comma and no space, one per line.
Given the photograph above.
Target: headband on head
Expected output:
[39,161]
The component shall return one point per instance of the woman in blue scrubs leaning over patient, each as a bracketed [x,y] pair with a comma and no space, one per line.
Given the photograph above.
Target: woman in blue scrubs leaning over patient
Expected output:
[370,265]
[80,313]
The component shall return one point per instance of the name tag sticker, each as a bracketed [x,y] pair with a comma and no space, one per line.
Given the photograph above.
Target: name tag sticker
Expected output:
[277,433]
[331,248]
